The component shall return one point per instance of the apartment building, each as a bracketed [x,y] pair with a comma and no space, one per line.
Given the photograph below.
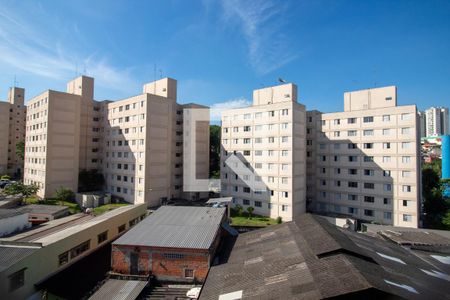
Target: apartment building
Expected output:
[436,121]
[12,131]
[136,143]
[263,153]
[364,162]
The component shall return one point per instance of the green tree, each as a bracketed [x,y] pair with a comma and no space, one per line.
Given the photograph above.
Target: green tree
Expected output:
[279,220]
[446,220]
[5,177]
[250,210]
[214,153]
[20,188]
[65,194]
[238,210]
[434,204]
[20,149]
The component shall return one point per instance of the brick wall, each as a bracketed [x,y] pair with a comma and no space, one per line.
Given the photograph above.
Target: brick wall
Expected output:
[166,264]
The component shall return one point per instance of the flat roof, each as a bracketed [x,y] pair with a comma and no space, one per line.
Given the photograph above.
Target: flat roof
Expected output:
[119,290]
[10,212]
[44,208]
[176,227]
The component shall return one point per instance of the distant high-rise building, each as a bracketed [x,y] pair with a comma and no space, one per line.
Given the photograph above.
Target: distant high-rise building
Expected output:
[422,124]
[12,132]
[437,121]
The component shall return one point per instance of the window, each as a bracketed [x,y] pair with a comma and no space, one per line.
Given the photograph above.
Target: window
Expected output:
[258,115]
[246,189]
[353,184]
[406,174]
[284,139]
[368,145]
[102,237]
[406,188]
[386,145]
[405,117]
[406,159]
[406,145]
[336,134]
[353,158]
[368,172]
[352,197]
[405,203]
[369,199]
[272,113]
[284,112]
[386,159]
[386,131]
[386,173]
[351,133]
[405,130]
[352,210]
[258,152]
[247,128]
[63,258]
[337,146]
[173,255]
[246,141]
[407,218]
[352,171]
[188,273]
[386,118]
[351,120]
[247,116]
[387,187]
[368,132]
[336,121]
[76,251]
[121,228]
[352,146]
[387,215]
[368,119]
[368,212]
[246,152]
[284,153]
[246,202]
[258,204]
[369,185]
[16,280]
[284,207]
[271,140]
[387,201]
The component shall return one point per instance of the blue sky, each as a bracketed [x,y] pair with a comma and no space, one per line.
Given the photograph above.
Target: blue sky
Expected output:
[219,51]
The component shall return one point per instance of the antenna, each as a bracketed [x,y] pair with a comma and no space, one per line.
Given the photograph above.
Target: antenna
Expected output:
[160,73]
[76,69]
[84,69]
[15,81]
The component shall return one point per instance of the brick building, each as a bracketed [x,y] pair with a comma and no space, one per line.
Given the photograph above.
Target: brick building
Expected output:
[175,243]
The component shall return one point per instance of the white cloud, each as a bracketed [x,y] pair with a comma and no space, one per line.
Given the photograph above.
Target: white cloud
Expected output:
[261,23]
[218,108]
[23,47]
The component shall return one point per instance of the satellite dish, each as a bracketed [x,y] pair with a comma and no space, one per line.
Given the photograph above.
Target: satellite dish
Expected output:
[281,80]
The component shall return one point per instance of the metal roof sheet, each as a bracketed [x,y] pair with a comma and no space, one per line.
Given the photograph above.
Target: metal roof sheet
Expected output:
[10,255]
[115,289]
[177,227]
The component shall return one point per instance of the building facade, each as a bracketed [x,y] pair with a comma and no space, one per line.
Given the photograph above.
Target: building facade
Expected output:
[12,132]
[364,162]
[263,155]
[437,121]
[136,143]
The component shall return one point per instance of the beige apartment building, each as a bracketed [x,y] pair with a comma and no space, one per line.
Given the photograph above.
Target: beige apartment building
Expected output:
[364,162]
[136,143]
[12,131]
[263,153]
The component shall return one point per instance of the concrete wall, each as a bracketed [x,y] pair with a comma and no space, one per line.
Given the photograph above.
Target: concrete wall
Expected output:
[13,224]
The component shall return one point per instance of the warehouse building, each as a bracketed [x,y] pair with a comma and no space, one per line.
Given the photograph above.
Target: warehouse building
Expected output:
[174,243]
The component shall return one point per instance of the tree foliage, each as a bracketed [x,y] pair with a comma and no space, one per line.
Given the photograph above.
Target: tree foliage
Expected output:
[20,188]
[250,210]
[5,177]
[65,194]
[20,149]
[435,206]
[214,155]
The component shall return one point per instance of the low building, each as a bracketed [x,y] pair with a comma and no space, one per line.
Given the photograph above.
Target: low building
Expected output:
[309,258]
[29,259]
[175,243]
[13,220]
[41,213]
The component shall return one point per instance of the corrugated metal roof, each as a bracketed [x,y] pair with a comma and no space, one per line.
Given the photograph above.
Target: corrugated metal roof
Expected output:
[115,289]
[10,255]
[177,227]
[8,213]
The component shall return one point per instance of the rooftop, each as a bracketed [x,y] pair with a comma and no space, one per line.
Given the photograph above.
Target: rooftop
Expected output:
[176,226]
[9,213]
[11,254]
[44,209]
[311,258]
[119,290]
